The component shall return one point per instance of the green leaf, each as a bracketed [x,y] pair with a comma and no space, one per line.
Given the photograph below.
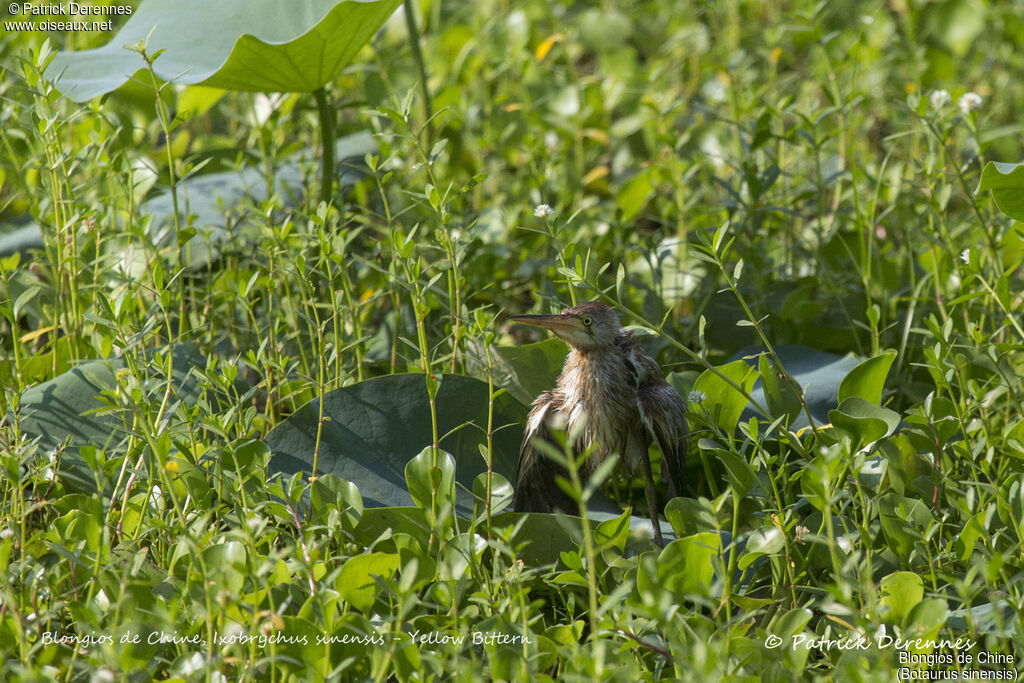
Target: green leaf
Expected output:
[612,533]
[867,380]
[255,45]
[329,493]
[378,425]
[457,553]
[725,403]
[904,522]
[532,368]
[1010,496]
[223,563]
[765,540]
[955,24]
[356,583]
[689,515]
[632,196]
[64,410]
[210,200]
[501,493]
[684,566]
[740,474]
[900,591]
[998,618]
[926,618]
[791,623]
[423,478]
[817,373]
[863,421]
[782,399]
[1006,181]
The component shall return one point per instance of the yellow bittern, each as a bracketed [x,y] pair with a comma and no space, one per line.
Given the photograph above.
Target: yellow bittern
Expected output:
[610,398]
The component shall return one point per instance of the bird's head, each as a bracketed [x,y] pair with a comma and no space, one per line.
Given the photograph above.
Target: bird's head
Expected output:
[585,327]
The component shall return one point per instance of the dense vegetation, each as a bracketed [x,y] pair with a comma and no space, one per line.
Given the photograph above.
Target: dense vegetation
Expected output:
[759,188]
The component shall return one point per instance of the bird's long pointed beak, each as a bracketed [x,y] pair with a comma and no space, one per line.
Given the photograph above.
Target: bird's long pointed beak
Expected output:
[555,323]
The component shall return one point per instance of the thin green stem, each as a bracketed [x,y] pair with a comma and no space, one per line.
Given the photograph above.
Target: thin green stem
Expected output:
[327,163]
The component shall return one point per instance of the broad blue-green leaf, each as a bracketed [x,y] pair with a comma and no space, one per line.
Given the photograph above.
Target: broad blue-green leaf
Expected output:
[532,368]
[256,45]
[1006,181]
[62,410]
[375,427]
[210,201]
[867,380]
[997,618]
[817,373]
[541,537]
[20,237]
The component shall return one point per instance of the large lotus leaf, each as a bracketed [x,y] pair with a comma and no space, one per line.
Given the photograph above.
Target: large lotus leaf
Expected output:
[372,429]
[62,410]
[209,199]
[818,373]
[256,45]
[532,368]
[18,237]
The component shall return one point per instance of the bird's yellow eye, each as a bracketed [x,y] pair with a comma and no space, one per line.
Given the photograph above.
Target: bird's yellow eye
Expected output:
[587,321]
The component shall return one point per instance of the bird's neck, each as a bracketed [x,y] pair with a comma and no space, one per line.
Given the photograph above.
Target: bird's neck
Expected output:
[592,373]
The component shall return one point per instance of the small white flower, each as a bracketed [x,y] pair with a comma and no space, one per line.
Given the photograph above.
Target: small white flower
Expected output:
[192,664]
[939,99]
[965,256]
[969,102]
[543,211]
[103,676]
[695,396]
[6,533]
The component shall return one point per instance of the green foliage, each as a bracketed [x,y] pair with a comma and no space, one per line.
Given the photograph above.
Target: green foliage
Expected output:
[1006,181]
[228,45]
[374,432]
[296,457]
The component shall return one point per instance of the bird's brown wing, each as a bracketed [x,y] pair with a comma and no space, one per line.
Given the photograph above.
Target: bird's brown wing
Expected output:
[536,486]
[664,415]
